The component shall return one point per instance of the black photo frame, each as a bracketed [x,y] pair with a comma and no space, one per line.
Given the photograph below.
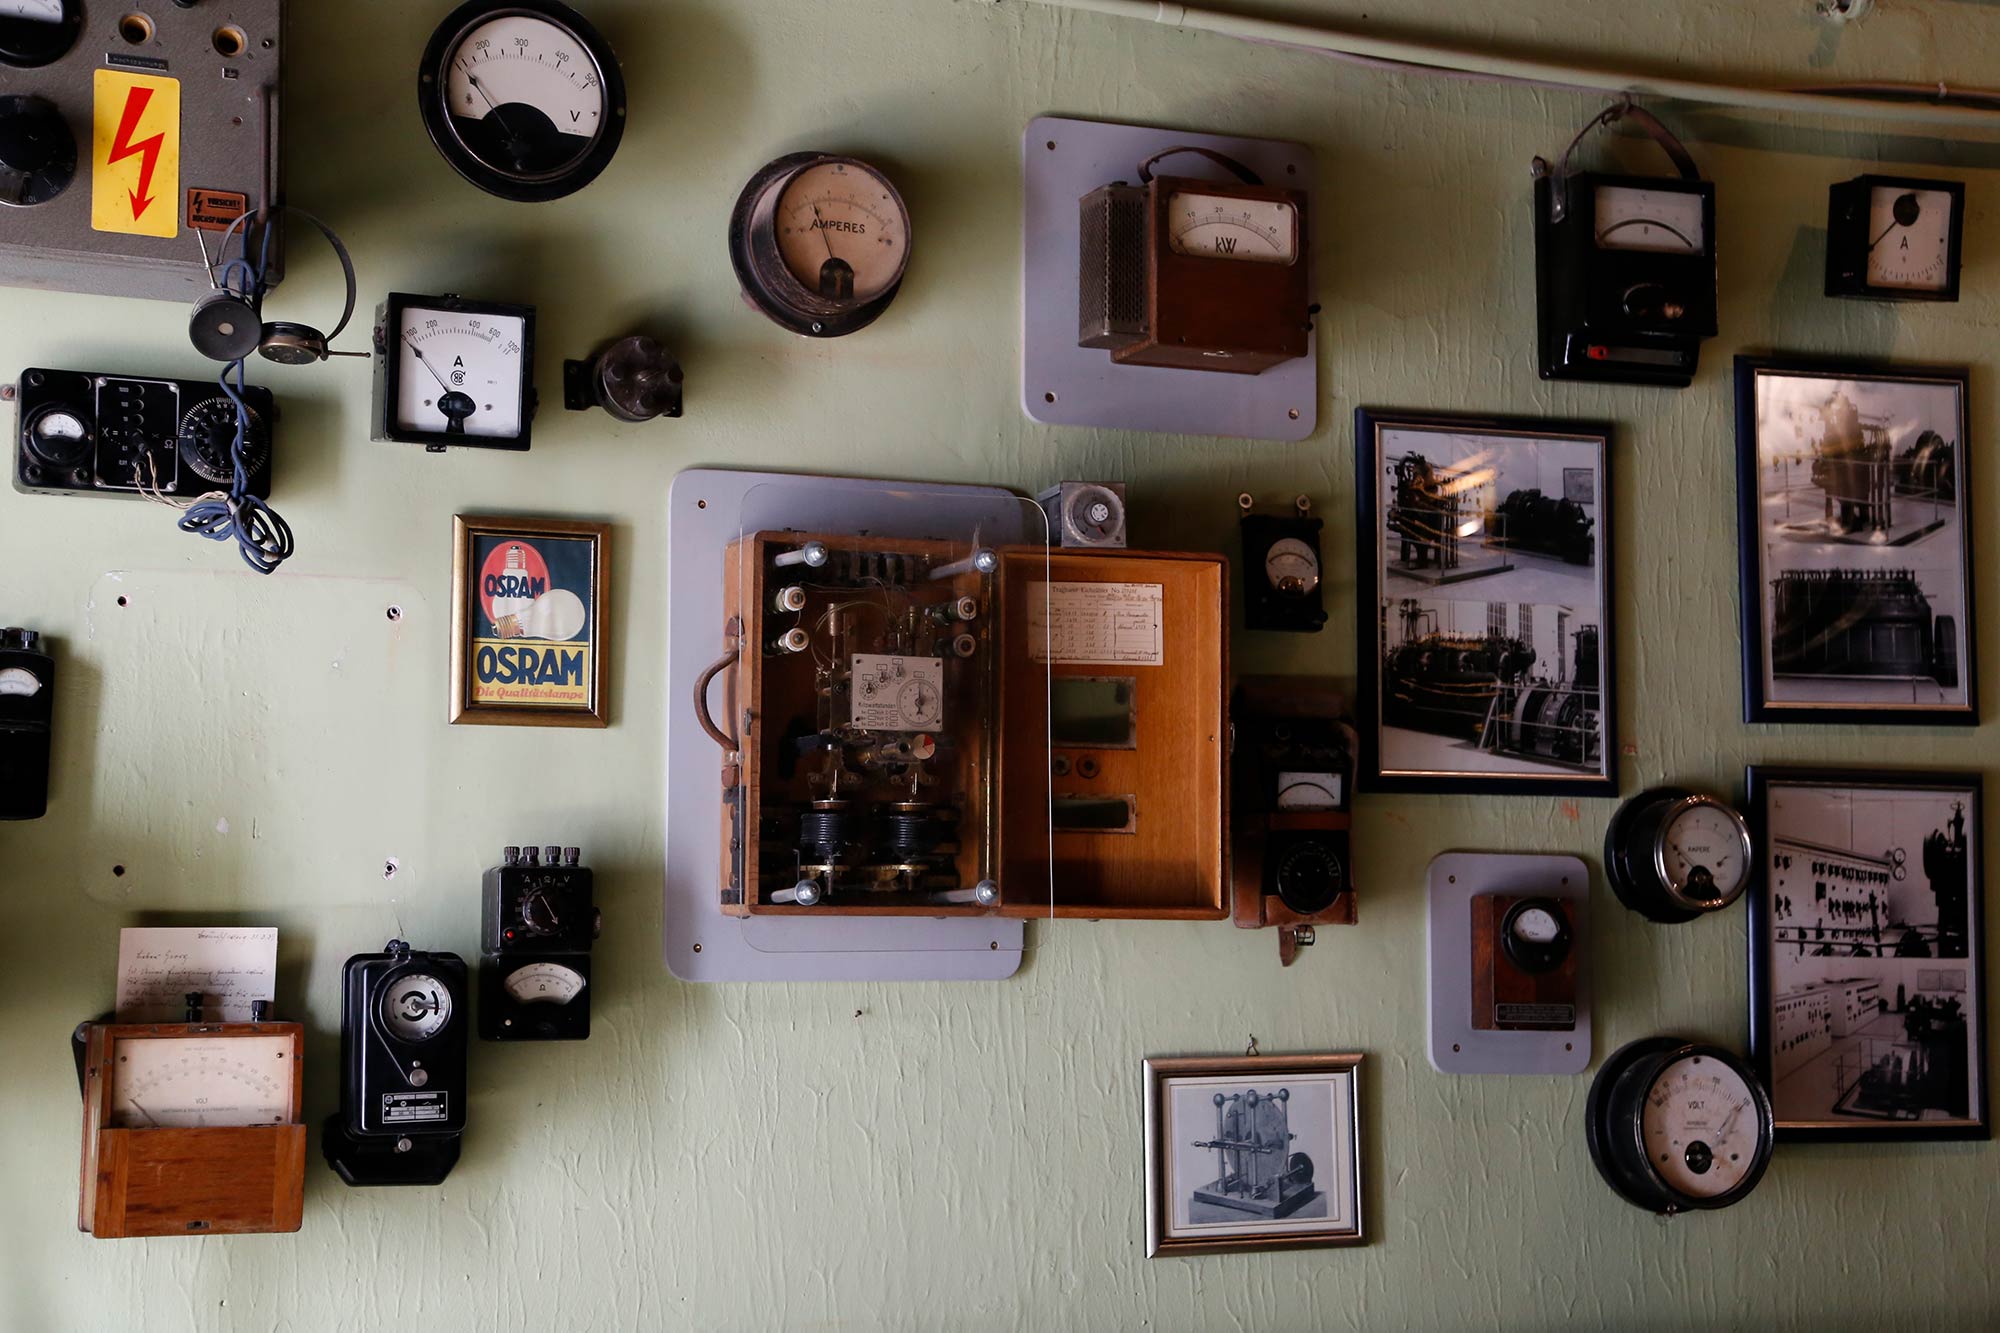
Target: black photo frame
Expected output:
[1493,566]
[1854,552]
[1836,920]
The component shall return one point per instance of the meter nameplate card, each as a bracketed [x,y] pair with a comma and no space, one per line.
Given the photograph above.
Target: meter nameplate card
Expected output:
[232,966]
[1536,1015]
[135,157]
[895,693]
[409,1108]
[1098,624]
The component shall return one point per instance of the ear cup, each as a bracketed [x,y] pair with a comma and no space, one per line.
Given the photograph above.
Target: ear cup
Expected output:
[225,326]
[291,344]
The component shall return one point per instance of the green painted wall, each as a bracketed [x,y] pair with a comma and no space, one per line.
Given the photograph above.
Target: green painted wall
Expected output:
[929,1156]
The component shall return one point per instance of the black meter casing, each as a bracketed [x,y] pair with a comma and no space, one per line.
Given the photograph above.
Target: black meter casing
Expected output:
[402,1098]
[27,709]
[538,920]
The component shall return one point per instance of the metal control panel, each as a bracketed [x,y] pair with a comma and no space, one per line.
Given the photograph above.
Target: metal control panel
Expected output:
[130,134]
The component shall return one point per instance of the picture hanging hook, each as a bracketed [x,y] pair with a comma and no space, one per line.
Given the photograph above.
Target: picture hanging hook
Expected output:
[1251,1049]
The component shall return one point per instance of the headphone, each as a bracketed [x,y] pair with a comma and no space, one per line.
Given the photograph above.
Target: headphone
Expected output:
[228,322]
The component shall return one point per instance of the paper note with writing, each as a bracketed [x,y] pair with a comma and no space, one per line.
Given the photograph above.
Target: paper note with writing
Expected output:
[232,967]
[1098,624]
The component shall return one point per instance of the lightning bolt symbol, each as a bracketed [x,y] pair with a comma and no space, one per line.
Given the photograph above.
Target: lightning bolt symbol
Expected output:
[146,150]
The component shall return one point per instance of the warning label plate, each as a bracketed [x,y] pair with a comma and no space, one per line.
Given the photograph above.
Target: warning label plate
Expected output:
[135,156]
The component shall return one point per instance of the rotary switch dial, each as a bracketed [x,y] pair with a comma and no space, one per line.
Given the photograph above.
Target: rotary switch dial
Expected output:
[37,152]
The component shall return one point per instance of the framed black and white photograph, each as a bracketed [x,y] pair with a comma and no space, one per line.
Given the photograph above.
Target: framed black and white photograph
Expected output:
[1485,612]
[1855,550]
[1867,974]
[1255,1152]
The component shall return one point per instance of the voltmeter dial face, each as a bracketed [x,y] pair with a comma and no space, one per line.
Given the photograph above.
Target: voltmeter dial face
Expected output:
[38,32]
[1291,566]
[1700,1127]
[461,373]
[415,1007]
[544,983]
[1910,238]
[1537,925]
[40,11]
[842,231]
[1702,852]
[1258,231]
[524,99]
[1662,221]
[196,1082]
[820,243]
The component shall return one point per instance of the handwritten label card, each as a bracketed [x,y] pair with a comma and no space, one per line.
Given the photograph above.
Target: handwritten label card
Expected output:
[232,967]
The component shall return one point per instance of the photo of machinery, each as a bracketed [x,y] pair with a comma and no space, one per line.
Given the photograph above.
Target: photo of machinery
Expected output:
[1854,482]
[1860,624]
[1490,687]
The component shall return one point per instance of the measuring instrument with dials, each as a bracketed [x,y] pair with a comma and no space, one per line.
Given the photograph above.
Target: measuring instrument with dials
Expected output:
[403,1024]
[1675,1125]
[451,372]
[820,243]
[1194,274]
[191,1128]
[1625,286]
[1281,568]
[1672,854]
[27,709]
[1894,238]
[523,97]
[538,920]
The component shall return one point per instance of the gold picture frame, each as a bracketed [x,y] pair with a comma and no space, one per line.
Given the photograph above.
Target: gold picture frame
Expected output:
[528,646]
[1253,1152]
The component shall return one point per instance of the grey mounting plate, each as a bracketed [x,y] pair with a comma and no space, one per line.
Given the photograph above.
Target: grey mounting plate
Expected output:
[1456,1047]
[1065,385]
[707,509]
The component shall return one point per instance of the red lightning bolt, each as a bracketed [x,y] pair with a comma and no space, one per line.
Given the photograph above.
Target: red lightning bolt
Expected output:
[146,150]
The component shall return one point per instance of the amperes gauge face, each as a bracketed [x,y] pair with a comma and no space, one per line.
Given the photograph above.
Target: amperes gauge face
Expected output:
[820,243]
[1672,854]
[1675,1125]
[524,99]
[1910,238]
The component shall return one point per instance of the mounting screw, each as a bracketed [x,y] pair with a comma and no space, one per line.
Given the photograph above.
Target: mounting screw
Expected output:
[986,893]
[1244,500]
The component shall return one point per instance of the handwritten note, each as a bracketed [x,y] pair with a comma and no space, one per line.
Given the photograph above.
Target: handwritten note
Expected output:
[232,967]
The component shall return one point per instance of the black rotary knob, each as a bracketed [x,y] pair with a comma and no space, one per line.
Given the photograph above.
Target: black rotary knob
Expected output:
[37,152]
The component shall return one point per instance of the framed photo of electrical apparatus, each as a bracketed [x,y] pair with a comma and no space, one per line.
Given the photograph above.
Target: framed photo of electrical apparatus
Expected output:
[1485,605]
[1256,1152]
[1856,545]
[1867,969]
[528,598]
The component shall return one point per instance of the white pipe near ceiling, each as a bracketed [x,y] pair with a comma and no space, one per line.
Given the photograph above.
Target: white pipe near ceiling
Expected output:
[1935,105]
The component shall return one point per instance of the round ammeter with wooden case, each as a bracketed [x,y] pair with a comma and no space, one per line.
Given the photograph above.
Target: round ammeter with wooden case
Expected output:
[1675,1125]
[1672,854]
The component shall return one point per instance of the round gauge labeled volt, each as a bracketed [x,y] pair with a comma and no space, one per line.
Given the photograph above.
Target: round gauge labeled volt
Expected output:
[820,243]
[544,983]
[1672,854]
[1675,1125]
[523,98]
[415,1006]
[1291,566]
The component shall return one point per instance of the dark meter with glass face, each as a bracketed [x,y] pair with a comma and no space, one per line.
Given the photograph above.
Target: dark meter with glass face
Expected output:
[404,1020]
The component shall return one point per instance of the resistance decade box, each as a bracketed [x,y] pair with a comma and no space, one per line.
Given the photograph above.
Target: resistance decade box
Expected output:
[130,135]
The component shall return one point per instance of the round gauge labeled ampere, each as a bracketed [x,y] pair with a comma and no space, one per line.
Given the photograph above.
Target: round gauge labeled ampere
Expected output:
[1292,567]
[1674,1125]
[820,243]
[544,983]
[415,1006]
[523,97]
[1672,854]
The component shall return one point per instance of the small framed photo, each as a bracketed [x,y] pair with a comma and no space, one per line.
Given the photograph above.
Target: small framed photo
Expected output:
[1867,970]
[1856,547]
[527,621]
[1485,605]
[1252,1153]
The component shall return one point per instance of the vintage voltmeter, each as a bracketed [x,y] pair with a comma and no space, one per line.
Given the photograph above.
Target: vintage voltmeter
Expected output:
[1281,568]
[1195,274]
[404,1020]
[1675,1125]
[1624,266]
[538,921]
[1894,238]
[454,373]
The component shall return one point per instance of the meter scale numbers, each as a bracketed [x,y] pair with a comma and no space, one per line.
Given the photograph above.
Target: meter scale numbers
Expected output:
[524,97]
[462,374]
[1255,230]
[171,1084]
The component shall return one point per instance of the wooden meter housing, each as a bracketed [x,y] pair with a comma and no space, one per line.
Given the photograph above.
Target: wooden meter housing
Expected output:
[891,747]
[190,1180]
[1195,274]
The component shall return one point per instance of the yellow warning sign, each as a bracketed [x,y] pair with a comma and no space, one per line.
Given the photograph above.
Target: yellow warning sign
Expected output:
[135,157]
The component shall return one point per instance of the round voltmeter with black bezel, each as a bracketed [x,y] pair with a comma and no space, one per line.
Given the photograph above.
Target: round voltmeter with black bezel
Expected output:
[454,373]
[1675,1125]
[820,243]
[1894,238]
[38,32]
[523,98]
[404,1020]
[1672,854]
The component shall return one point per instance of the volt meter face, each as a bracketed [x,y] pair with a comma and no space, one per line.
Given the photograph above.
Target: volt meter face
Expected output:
[525,100]
[1675,1125]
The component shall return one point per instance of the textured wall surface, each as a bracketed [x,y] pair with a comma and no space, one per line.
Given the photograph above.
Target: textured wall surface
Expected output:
[931,1156]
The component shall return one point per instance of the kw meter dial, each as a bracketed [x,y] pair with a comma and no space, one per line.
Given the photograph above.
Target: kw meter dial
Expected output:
[820,243]
[1258,231]
[523,98]
[454,372]
[1673,855]
[1675,1125]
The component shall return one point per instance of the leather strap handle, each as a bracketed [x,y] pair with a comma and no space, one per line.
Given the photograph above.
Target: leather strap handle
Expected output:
[1624,109]
[1229,164]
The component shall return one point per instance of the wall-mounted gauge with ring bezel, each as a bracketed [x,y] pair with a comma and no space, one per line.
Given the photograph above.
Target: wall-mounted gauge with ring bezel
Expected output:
[523,97]
[820,243]
[1675,1125]
[1672,854]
